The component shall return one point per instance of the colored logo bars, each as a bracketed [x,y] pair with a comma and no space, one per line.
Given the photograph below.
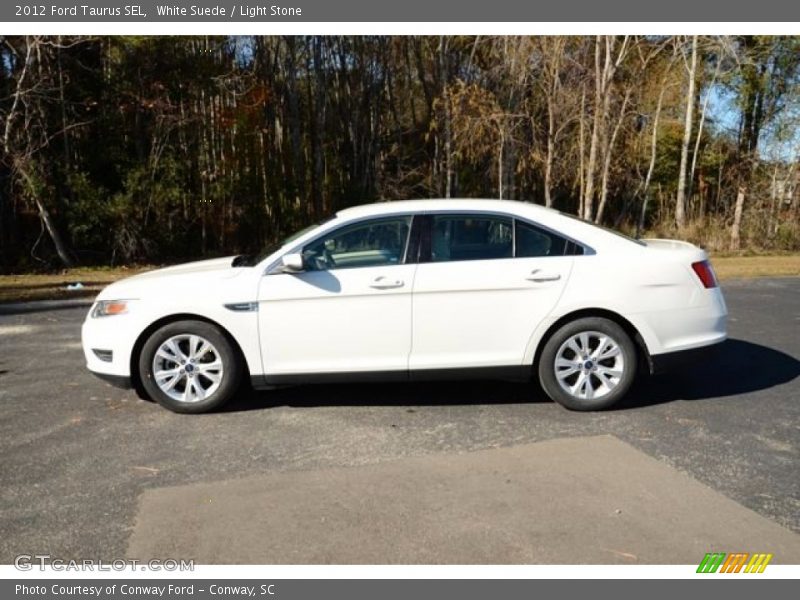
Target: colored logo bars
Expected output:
[734,563]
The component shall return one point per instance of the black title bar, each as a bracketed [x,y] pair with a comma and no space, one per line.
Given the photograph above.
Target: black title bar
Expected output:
[709,11]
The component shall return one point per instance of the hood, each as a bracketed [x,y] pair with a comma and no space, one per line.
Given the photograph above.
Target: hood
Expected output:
[186,277]
[198,266]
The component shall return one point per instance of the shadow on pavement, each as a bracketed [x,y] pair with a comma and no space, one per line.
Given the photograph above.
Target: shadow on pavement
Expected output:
[737,367]
[389,394]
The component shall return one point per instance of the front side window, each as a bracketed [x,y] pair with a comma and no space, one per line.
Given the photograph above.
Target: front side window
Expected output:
[367,244]
[471,237]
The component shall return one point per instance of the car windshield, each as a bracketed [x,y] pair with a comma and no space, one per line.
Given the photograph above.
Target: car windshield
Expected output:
[604,228]
[254,259]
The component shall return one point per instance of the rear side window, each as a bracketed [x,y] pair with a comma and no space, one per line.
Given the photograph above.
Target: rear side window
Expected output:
[457,237]
[471,237]
[532,241]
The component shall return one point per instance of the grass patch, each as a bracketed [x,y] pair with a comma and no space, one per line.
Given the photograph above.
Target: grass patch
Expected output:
[53,286]
[742,267]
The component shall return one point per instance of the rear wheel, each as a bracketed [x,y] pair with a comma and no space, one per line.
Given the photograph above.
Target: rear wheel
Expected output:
[588,364]
[189,367]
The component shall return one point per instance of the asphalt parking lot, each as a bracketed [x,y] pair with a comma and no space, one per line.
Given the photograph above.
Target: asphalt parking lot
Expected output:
[78,455]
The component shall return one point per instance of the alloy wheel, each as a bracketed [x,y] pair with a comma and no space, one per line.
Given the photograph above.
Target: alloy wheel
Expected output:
[589,365]
[187,368]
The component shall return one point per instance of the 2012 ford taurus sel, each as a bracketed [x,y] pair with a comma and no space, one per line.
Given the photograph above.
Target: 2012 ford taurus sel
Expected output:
[413,290]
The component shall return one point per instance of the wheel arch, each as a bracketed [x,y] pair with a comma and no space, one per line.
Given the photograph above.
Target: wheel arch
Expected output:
[166,320]
[643,353]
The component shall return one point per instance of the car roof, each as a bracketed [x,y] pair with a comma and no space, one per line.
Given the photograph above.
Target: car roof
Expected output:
[448,204]
[567,225]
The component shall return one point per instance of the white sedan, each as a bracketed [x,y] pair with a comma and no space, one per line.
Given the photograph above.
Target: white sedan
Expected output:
[413,290]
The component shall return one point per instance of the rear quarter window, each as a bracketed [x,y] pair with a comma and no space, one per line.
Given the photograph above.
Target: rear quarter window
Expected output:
[532,241]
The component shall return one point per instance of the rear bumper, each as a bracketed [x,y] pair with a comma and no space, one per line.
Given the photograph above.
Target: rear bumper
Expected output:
[682,328]
[672,361]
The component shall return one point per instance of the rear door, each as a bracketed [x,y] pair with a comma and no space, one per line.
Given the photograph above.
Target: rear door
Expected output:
[483,284]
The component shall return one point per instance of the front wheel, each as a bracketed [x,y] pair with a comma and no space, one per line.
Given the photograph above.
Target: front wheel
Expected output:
[189,367]
[588,364]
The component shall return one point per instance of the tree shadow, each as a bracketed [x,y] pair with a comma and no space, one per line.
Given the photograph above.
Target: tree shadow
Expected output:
[737,367]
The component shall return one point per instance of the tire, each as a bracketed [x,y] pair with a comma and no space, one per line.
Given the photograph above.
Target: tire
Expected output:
[141,393]
[592,380]
[190,367]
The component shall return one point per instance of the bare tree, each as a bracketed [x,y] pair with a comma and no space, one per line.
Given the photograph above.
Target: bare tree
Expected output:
[607,59]
[701,123]
[552,51]
[608,153]
[653,152]
[25,134]
[680,200]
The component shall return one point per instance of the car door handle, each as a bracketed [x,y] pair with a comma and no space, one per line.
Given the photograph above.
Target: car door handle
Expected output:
[386,283]
[539,276]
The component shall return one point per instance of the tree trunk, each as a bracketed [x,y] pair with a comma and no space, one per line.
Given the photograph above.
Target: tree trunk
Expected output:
[700,129]
[319,109]
[500,157]
[588,190]
[680,201]
[609,152]
[772,222]
[548,161]
[448,125]
[551,91]
[581,151]
[603,83]
[47,220]
[737,219]
[651,166]
[55,235]
[448,146]
[13,111]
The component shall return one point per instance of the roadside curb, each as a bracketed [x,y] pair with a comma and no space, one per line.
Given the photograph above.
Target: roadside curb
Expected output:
[14,308]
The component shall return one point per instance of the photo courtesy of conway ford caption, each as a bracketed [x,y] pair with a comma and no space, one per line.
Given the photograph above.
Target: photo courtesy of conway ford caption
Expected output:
[413,290]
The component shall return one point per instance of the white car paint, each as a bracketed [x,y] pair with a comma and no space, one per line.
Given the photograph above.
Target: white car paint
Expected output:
[443,315]
[482,313]
[336,321]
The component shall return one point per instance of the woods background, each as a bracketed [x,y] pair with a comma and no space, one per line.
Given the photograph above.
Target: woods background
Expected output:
[151,149]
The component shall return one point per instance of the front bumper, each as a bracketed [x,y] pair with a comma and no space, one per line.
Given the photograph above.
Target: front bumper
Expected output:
[118,381]
[112,337]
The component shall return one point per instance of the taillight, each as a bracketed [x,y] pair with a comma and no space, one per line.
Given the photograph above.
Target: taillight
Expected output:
[706,273]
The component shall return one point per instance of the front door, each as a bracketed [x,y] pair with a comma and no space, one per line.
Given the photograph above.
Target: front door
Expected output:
[349,311]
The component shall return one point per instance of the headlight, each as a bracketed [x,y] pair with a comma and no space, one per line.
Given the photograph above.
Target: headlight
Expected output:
[108,308]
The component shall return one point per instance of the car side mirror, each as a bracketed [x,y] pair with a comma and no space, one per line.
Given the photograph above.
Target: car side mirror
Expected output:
[293,263]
